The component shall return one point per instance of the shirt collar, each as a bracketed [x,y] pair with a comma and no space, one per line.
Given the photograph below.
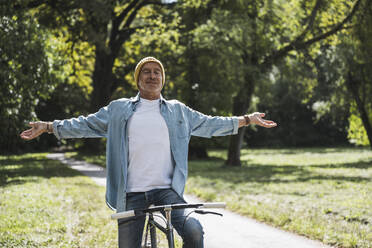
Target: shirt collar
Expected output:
[135,100]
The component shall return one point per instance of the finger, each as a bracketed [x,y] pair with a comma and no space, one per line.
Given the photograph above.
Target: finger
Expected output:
[262,114]
[31,135]
[268,124]
[27,132]
[260,122]
[268,121]
[24,136]
[271,125]
[27,137]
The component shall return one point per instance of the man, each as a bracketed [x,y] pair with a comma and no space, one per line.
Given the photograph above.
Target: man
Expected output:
[147,149]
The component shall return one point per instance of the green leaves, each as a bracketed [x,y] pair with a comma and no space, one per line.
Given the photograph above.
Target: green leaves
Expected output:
[24,75]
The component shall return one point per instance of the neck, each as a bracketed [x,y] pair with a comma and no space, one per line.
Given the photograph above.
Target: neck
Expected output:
[149,96]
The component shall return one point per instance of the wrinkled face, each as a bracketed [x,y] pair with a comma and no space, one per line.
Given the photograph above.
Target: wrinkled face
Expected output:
[150,79]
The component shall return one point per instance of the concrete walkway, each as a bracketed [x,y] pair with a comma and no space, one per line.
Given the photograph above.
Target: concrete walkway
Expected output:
[229,231]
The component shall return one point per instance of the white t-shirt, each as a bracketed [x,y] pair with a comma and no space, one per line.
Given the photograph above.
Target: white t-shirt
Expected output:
[150,161]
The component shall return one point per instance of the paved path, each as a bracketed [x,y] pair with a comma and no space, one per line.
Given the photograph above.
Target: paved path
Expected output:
[229,231]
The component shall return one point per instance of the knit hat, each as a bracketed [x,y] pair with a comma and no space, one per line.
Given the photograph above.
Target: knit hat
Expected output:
[144,61]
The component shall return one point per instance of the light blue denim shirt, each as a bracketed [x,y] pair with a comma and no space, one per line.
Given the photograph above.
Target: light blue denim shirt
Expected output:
[111,122]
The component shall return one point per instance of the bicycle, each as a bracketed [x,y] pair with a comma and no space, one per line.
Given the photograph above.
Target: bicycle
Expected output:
[153,224]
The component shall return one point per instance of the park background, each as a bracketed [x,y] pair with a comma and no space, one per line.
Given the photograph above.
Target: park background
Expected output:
[306,64]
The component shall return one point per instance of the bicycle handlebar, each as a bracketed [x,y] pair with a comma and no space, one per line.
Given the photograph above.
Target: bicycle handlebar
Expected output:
[214,205]
[131,213]
[125,214]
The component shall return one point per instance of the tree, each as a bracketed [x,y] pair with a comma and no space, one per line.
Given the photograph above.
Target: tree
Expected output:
[105,25]
[299,96]
[345,66]
[24,73]
[359,67]
[262,33]
[204,84]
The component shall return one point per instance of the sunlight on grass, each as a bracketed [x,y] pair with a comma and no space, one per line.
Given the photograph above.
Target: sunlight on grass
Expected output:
[324,194]
[45,204]
[321,193]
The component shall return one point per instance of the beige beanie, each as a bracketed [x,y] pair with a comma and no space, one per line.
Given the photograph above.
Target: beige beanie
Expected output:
[144,61]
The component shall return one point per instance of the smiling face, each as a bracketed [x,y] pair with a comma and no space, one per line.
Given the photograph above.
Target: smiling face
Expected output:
[150,81]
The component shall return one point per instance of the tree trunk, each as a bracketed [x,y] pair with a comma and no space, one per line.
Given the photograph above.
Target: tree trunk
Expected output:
[240,107]
[236,141]
[197,151]
[102,87]
[197,147]
[353,87]
[102,80]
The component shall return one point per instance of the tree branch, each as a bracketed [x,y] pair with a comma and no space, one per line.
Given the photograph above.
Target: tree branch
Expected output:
[117,36]
[121,31]
[297,45]
[29,5]
[311,21]
[132,15]
[123,14]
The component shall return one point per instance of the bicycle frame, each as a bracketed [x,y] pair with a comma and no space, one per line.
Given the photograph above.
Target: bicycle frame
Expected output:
[168,230]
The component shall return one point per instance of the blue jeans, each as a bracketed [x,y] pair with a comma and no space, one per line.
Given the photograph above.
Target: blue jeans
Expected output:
[131,230]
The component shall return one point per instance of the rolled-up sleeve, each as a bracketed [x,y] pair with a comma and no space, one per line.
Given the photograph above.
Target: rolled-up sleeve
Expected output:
[207,126]
[91,126]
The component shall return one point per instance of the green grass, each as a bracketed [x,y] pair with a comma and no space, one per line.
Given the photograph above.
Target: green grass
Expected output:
[325,194]
[45,204]
[321,193]
[101,160]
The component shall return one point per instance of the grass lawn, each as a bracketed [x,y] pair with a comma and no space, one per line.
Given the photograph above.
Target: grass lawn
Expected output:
[45,204]
[324,194]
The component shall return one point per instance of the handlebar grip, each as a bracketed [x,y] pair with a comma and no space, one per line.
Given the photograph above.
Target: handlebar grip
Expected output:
[125,214]
[214,205]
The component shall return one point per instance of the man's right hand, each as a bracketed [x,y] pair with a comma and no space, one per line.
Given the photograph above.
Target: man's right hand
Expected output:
[37,128]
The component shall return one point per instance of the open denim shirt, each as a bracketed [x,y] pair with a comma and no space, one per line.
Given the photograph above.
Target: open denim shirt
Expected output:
[111,122]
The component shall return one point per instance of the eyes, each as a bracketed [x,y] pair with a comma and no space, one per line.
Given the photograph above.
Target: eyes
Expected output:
[157,73]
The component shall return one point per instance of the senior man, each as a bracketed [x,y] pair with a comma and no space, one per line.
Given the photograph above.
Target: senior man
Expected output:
[147,149]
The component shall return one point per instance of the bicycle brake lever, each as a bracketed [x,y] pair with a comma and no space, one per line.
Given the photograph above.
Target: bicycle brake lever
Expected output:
[198,211]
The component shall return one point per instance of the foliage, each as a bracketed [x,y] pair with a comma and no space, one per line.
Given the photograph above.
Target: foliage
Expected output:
[25,73]
[249,37]
[357,133]
[300,97]
[220,58]
[358,58]
[343,70]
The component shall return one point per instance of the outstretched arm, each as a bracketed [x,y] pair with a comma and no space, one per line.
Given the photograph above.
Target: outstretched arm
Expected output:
[206,126]
[91,126]
[37,128]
